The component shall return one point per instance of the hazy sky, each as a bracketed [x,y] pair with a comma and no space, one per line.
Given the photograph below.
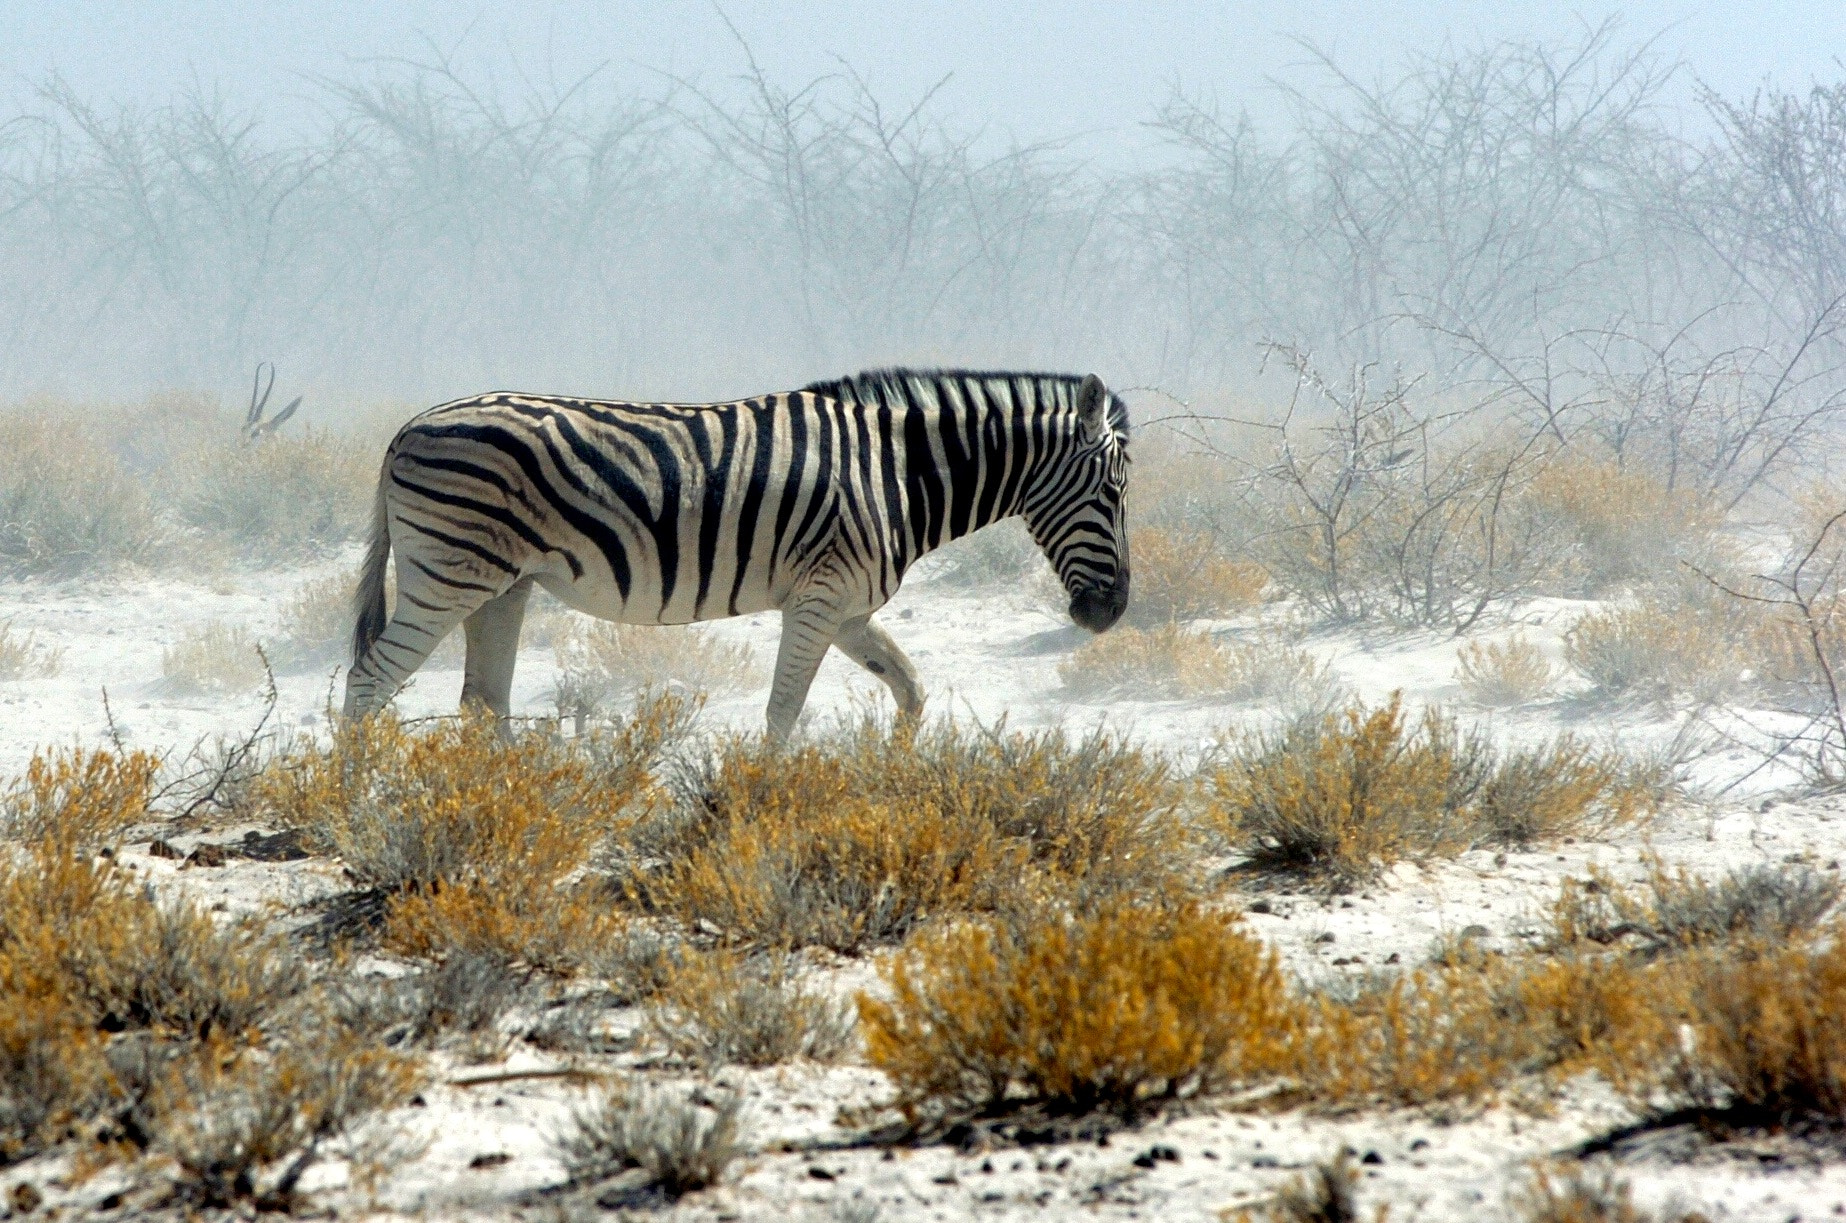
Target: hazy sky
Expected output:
[1090,71]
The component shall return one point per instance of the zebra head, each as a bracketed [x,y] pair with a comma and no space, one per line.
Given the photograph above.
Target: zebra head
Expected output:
[1077,506]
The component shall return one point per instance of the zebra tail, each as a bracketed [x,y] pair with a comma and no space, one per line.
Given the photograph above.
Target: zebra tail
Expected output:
[369,600]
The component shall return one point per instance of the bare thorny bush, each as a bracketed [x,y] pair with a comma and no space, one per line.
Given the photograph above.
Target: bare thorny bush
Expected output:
[1369,503]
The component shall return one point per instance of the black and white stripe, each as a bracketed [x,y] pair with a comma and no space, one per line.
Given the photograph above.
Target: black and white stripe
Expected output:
[815,503]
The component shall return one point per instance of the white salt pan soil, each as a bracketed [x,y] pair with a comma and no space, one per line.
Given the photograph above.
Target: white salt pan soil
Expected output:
[987,655]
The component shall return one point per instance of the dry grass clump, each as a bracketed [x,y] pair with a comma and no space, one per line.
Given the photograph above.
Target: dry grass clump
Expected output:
[285,496]
[1349,793]
[1501,674]
[476,838]
[316,626]
[1175,663]
[1327,1194]
[682,1142]
[217,658]
[1611,526]
[245,1129]
[717,1007]
[856,838]
[600,662]
[78,798]
[1675,910]
[22,657]
[1181,575]
[1650,651]
[1119,1007]
[1573,1195]
[67,503]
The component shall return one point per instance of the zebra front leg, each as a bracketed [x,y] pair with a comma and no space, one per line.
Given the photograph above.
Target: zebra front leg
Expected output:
[493,648]
[864,641]
[809,626]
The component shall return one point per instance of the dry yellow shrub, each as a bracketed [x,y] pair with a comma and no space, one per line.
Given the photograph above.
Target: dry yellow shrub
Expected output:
[215,658]
[1174,663]
[1464,1030]
[1675,910]
[1182,575]
[1766,1034]
[1118,1007]
[1499,674]
[1350,793]
[474,834]
[859,835]
[228,1118]
[83,930]
[1801,659]
[1612,525]
[799,854]
[558,929]
[53,1072]
[1164,663]
[79,798]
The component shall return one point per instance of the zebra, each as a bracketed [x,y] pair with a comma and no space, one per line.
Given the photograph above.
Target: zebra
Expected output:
[813,502]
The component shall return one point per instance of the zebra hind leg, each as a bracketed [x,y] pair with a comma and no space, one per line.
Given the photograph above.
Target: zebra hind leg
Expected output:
[422,618]
[493,648]
[864,641]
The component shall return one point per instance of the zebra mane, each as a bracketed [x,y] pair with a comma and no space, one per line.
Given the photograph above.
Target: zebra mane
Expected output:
[901,384]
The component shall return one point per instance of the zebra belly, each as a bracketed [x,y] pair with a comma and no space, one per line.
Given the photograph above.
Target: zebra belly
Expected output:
[602,599]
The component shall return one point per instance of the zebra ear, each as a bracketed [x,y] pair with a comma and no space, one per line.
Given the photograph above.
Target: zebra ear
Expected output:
[1092,403]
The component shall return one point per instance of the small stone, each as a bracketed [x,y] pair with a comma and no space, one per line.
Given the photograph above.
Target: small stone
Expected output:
[1261,906]
[1475,931]
[162,848]
[489,1159]
[819,1173]
[1420,1144]
[1371,1157]
[1325,936]
[987,1166]
[1392,958]
[947,1178]
[25,1198]
[206,855]
[1499,859]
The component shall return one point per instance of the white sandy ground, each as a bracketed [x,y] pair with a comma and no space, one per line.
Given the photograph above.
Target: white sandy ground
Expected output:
[988,655]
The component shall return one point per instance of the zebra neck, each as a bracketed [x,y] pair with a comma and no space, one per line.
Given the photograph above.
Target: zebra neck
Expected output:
[970,469]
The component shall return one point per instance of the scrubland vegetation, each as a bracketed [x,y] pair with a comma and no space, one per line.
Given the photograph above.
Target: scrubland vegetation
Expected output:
[1054,933]
[1019,934]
